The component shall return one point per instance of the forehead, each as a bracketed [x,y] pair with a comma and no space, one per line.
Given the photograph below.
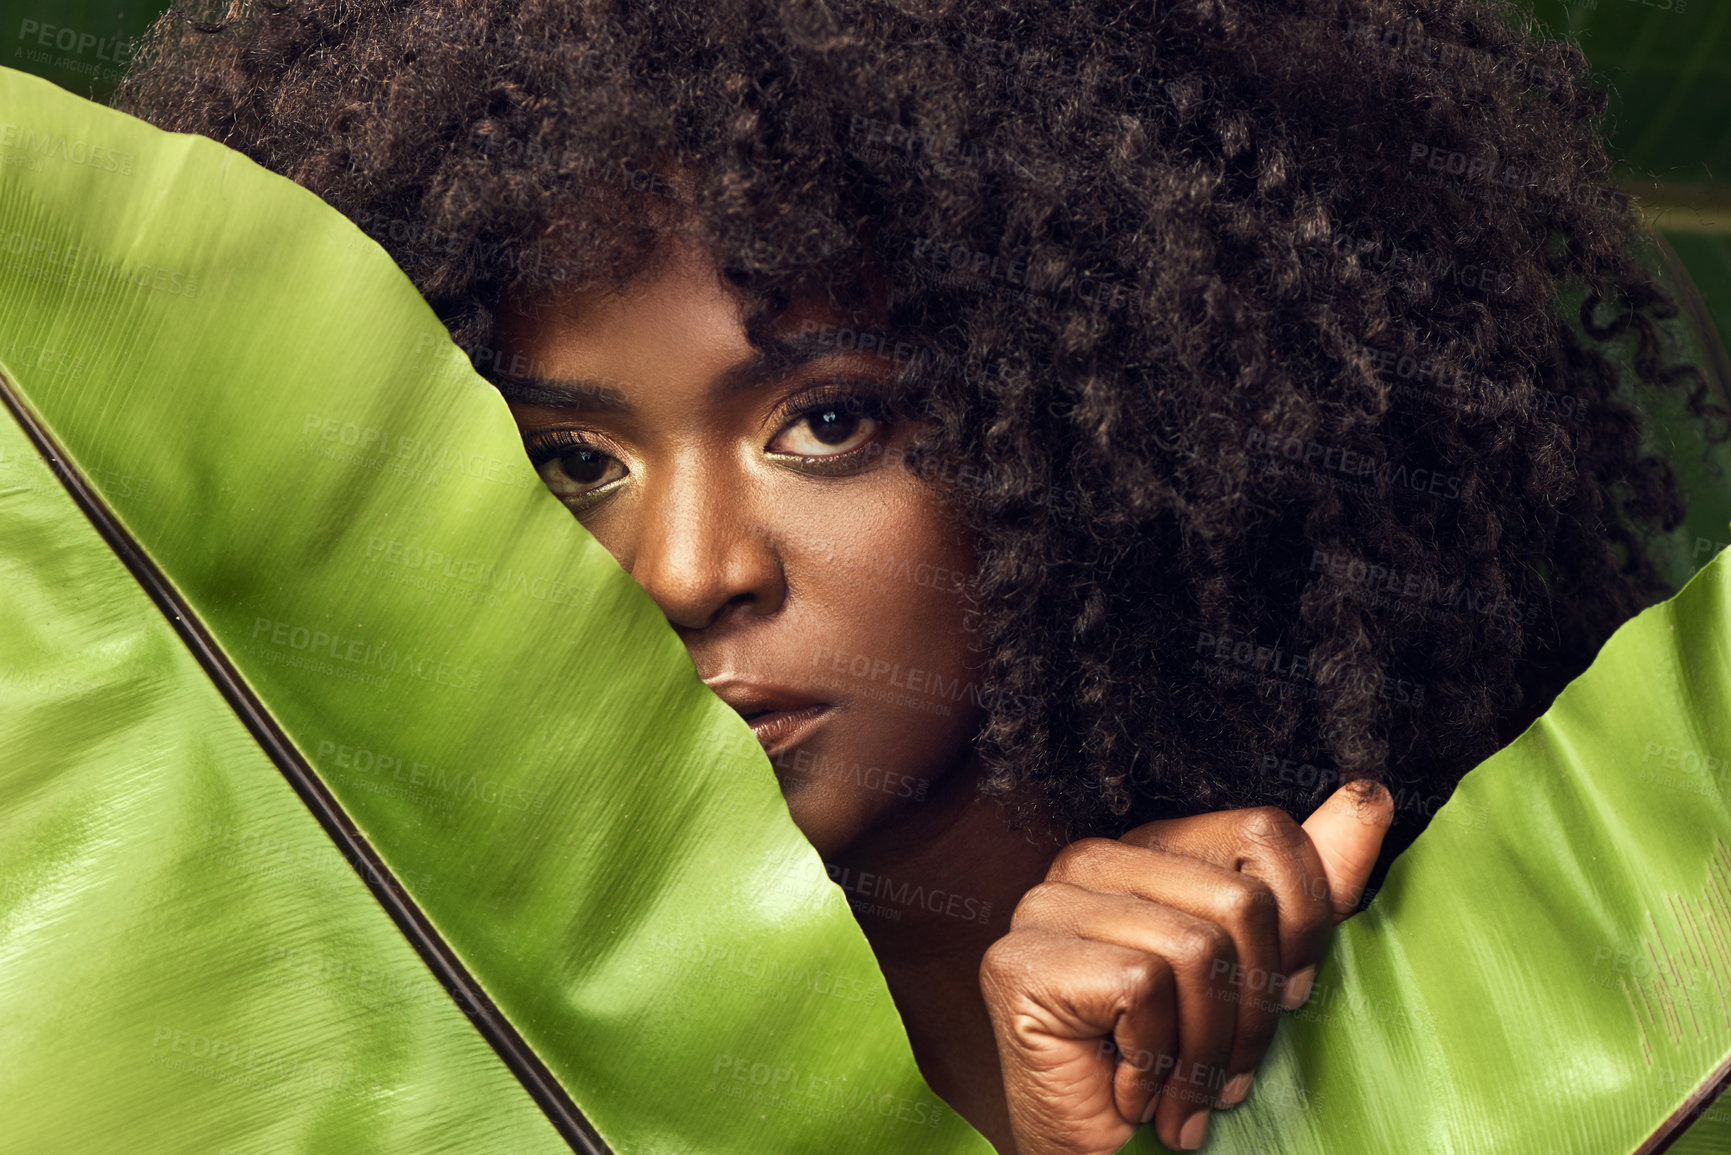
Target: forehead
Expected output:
[680,303]
[682,284]
[680,326]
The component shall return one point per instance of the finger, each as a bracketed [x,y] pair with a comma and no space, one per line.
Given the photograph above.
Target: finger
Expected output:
[1347,831]
[1211,895]
[1240,904]
[1205,1023]
[1163,932]
[1266,844]
[1074,1019]
[1192,948]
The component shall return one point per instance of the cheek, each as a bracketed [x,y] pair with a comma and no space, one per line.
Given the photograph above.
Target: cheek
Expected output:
[882,580]
[882,636]
[890,566]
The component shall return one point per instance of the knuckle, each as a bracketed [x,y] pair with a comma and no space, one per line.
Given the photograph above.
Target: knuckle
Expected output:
[1148,836]
[1043,904]
[1003,969]
[1145,978]
[1271,828]
[1010,986]
[1079,858]
[1197,946]
[1248,900]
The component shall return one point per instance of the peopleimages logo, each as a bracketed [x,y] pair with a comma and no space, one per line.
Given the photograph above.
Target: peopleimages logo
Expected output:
[368,661]
[48,146]
[1489,173]
[408,455]
[836,1099]
[84,268]
[957,265]
[108,49]
[482,574]
[880,888]
[1383,585]
[1353,463]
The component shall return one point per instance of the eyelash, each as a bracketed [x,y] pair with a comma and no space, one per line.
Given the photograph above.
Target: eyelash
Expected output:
[861,402]
[865,402]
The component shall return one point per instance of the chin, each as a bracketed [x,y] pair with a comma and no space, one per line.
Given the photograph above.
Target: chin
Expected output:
[818,819]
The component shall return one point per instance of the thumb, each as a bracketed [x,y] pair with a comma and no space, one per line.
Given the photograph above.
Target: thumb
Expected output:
[1347,832]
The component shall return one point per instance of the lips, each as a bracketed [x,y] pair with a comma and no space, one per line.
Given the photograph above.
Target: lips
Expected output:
[777,715]
[779,729]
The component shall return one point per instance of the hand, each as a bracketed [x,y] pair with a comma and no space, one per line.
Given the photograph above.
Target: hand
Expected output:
[1143,979]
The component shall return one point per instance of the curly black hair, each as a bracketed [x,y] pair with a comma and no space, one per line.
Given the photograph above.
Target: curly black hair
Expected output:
[1281,356]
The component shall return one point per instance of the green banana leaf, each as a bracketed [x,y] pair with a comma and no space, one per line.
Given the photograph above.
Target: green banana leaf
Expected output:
[280,427]
[353,799]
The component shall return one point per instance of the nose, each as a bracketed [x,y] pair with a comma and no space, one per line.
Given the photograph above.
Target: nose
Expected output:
[703,551]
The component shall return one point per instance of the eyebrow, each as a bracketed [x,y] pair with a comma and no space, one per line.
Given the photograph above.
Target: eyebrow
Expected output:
[577,394]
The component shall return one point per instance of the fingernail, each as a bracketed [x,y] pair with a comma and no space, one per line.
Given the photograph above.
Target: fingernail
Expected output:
[1236,1089]
[1298,988]
[1148,1111]
[1369,795]
[1195,1128]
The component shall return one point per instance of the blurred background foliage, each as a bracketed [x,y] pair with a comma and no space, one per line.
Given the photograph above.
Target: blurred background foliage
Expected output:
[1666,64]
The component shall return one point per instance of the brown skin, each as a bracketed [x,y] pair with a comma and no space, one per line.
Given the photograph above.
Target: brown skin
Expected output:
[773,537]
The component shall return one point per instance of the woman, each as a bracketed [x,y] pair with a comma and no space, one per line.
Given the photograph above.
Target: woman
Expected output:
[1058,430]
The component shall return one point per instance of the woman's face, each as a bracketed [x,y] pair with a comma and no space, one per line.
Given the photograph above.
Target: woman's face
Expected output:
[762,504]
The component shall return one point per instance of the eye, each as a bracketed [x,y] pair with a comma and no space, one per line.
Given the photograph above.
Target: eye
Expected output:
[832,423]
[574,469]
